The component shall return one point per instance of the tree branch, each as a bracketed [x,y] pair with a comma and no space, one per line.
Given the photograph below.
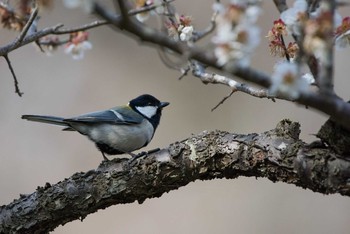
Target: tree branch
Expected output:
[28,39]
[278,155]
[329,104]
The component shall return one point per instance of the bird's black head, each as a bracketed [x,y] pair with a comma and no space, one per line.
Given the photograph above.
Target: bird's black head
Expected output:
[149,107]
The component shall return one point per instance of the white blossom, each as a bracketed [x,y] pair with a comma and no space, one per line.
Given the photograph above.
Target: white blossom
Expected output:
[252,14]
[224,33]
[86,5]
[291,16]
[286,81]
[186,33]
[237,36]
[78,50]
[142,17]
[342,34]
[309,78]
[343,40]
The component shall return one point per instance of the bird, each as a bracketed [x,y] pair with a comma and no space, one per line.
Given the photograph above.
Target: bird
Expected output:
[119,130]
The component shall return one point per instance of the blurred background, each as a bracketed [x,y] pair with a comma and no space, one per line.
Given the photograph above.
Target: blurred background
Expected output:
[118,69]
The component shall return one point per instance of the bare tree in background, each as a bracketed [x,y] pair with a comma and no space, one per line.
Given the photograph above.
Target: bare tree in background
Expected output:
[304,38]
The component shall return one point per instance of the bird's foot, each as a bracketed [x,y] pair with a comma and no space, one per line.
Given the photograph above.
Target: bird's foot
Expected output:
[143,153]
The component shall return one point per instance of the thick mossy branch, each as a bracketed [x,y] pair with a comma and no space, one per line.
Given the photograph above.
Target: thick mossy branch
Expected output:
[278,155]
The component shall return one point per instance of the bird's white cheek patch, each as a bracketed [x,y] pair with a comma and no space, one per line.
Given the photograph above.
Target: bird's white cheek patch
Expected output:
[148,111]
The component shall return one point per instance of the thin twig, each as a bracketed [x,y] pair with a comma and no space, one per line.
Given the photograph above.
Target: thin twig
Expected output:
[184,72]
[84,27]
[17,90]
[208,30]
[223,100]
[212,78]
[29,23]
[285,48]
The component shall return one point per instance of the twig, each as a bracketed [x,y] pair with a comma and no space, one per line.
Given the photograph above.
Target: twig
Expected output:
[223,100]
[17,90]
[29,23]
[285,48]
[199,71]
[208,30]
[84,27]
[184,72]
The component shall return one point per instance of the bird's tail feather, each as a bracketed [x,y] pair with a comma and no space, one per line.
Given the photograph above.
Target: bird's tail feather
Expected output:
[46,119]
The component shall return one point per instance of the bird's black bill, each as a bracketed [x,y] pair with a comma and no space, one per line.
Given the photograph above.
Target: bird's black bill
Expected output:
[164,104]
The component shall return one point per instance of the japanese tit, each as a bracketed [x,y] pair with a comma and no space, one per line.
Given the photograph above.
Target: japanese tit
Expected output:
[119,130]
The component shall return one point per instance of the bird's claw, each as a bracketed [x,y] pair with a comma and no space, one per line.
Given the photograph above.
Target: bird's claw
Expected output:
[143,153]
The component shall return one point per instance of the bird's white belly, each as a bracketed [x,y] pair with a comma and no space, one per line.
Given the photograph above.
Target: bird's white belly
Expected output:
[125,138]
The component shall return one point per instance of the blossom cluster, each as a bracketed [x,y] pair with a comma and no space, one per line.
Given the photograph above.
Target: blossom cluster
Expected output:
[277,44]
[237,35]
[317,29]
[77,44]
[14,18]
[342,33]
[10,19]
[180,28]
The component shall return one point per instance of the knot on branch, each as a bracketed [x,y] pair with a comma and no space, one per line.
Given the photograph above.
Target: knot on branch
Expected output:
[288,128]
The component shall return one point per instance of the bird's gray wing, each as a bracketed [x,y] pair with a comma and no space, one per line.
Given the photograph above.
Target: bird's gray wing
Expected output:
[119,115]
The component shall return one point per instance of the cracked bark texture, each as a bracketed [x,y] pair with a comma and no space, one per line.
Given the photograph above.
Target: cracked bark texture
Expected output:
[278,155]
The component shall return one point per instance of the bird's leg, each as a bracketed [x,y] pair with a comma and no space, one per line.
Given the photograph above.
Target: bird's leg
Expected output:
[104,157]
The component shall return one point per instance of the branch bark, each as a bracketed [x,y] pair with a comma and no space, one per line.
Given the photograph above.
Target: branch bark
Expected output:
[278,155]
